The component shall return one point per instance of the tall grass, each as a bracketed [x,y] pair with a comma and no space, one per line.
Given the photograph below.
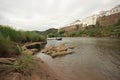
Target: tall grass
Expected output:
[9,37]
[20,36]
[23,64]
[4,45]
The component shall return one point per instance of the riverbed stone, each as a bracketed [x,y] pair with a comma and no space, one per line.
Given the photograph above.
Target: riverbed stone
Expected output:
[59,50]
[61,47]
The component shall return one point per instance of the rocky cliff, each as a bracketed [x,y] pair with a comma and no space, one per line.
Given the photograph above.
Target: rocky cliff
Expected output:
[75,26]
[109,20]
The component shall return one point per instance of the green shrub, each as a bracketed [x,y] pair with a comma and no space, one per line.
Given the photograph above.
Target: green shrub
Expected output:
[94,31]
[4,45]
[20,36]
[51,35]
[61,32]
[24,63]
[72,34]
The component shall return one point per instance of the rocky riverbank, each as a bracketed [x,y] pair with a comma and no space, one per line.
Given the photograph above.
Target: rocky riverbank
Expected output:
[33,48]
[40,70]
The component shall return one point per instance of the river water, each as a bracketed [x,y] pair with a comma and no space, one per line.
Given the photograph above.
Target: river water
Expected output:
[93,59]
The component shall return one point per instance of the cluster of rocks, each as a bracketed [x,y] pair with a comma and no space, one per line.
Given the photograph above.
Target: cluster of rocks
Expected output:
[32,48]
[59,50]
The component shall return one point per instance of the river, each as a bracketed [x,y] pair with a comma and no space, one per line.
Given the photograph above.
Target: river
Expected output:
[93,59]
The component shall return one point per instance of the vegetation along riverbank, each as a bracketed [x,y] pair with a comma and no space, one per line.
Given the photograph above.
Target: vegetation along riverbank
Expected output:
[104,26]
[17,60]
[90,31]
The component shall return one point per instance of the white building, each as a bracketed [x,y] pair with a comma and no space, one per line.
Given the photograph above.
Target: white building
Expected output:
[102,13]
[91,20]
[114,10]
[77,22]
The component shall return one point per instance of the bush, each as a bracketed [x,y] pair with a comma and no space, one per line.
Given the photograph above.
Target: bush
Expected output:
[72,34]
[24,63]
[51,35]
[10,37]
[95,31]
[61,32]
[4,45]
[20,36]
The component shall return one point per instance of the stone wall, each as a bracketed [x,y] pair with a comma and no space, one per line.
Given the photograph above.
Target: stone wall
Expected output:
[72,28]
[109,20]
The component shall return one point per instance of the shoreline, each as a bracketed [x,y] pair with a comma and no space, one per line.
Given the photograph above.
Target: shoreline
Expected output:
[41,71]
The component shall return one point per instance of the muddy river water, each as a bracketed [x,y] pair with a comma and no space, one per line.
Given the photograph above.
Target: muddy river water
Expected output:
[93,59]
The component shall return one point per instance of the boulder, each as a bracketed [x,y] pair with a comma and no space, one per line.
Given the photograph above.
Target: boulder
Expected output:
[61,47]
[59,50]
[32,48]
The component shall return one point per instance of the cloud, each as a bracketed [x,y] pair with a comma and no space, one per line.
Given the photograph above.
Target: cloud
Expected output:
[44,14]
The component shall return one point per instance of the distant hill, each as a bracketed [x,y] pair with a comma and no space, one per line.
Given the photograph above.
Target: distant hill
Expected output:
[48,31]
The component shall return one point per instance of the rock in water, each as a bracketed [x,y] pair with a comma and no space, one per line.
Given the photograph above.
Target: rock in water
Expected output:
[55,51]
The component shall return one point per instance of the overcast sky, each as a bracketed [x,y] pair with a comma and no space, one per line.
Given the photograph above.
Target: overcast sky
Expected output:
[44,14]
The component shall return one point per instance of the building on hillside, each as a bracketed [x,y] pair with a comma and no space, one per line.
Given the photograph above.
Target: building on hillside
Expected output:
[74,26]
[77,22]
[91,20]
[102,13]
[114,10]
[110,17]
[109,20]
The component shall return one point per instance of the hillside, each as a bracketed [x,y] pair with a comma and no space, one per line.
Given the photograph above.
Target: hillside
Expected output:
[110,20]
[106,26]
[52,32]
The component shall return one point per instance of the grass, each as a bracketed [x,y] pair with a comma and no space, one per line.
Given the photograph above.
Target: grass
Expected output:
[3,47]
[10,41]
[103,31]
[24,64]
[7,48]
[20,36]
[10,37]
[96,31]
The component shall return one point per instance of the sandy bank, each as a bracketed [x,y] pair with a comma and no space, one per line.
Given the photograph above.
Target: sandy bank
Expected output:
[41,71]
